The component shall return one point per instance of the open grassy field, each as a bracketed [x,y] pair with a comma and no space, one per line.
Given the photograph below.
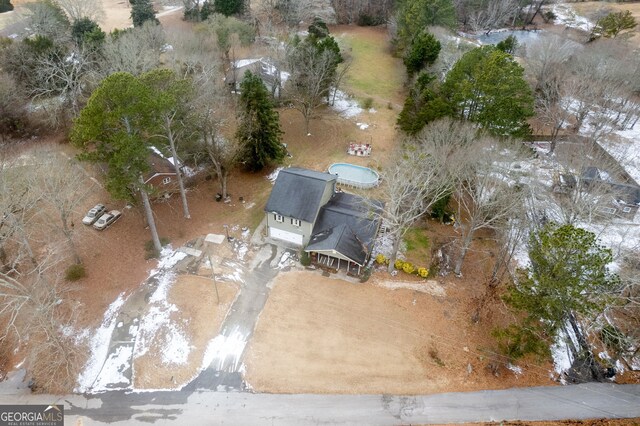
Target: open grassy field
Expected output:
[374,72]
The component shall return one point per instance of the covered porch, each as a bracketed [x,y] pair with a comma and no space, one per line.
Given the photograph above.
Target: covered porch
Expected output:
[333,261]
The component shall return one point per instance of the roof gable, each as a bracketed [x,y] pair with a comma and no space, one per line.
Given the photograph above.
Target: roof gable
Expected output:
[348,225]
[297,193]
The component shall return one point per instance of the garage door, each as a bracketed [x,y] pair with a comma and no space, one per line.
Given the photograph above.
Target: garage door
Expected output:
[285,236]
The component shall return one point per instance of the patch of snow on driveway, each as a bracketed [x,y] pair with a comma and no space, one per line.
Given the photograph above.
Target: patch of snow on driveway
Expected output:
[99,346]
[112,374]
[223,348]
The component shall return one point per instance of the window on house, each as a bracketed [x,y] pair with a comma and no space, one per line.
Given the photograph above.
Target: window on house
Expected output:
[295,222]
[166,180]
[278,217]
[607,210]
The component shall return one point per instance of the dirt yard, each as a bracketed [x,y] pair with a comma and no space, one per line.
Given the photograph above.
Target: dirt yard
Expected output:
[323,335]
[117,14]
[198,317]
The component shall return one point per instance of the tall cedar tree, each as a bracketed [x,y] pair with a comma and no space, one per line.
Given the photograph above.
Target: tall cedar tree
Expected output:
[423,105]
[228,7]
[259,131]
[142,11]
[415,15]
[423,52]
[487,86]
[87,32]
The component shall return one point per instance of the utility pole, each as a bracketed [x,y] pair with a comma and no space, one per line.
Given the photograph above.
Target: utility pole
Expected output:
[213,276]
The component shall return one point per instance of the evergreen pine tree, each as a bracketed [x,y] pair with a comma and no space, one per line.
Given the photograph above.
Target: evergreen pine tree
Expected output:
[487,86]
[228,7]
[5,6]
[84,30]
[142,11]
[423,105]
[259,131]
[423,52]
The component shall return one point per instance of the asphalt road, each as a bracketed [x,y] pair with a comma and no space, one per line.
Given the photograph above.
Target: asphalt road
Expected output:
[593,400]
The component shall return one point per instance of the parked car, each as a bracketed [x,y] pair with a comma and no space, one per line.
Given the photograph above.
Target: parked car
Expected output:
[94,214]
[107,219]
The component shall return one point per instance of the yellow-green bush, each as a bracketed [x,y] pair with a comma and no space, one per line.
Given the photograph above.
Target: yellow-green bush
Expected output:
[423,272]
[399,264]
[408,268]
[380,259]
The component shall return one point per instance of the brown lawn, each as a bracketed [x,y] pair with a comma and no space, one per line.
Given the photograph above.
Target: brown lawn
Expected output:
[198,317]
[323,335]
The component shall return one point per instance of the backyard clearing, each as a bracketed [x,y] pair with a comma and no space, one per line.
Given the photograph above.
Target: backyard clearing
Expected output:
[175,352]
[589,8]
[318,334]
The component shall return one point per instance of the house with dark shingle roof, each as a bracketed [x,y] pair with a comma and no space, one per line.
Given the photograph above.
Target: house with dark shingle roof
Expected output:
[336,228]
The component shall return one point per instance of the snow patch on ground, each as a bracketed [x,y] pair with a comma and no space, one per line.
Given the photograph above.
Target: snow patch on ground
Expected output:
[565,15]
[177,347]
[274,175]
[345,105]
[236,276]
[105,370]
[516,369]
[286,260]
[362,126]
[560,351]
[168,259]
[175,344]
[99,346]
[626,149]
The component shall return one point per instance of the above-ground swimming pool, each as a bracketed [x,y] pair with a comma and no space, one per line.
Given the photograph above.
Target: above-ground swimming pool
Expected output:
[356,176]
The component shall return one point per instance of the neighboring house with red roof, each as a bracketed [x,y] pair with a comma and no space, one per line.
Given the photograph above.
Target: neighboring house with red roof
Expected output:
[162,176]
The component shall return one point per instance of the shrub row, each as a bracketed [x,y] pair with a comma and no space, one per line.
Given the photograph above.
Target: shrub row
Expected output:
[401,265]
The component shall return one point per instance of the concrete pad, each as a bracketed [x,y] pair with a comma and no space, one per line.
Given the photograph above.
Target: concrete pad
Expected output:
[214,238]
[191,251]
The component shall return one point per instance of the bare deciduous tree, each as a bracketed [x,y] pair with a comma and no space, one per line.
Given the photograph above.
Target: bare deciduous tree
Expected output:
[63,185]
[295,12]
[312,73]
[135,51]
[487,193]
[78,9]
[422,172]
[222,152]
[65,76]
[36,309]
[47,19]
[12,108]
[195,55]
[492,14]
[18,201]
